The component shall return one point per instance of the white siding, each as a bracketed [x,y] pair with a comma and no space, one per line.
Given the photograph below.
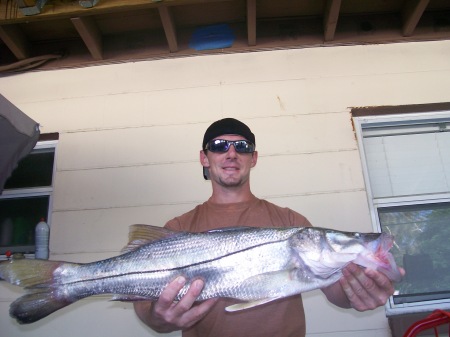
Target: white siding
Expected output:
[130,136]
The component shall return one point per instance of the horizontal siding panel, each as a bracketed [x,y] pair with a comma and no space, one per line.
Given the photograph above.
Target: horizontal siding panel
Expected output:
[274,98]
[346,211]
[127,110]
[303,134]
[145,76]
[130,147]
[308,174]
[105,230]
[206,104]
[183,183]
[341,322]
[9,293]
[343,61]
[378,90]
[129,186]
[182,143]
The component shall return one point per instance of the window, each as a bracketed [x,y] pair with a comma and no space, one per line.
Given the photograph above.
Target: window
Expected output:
[406,163]
[26,198]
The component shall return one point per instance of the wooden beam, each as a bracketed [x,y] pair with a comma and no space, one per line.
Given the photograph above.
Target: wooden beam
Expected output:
[63,9]
[169,27]
[251,22]
[26,3]
[15,40]
[411,14]
[330,19]
[91,35]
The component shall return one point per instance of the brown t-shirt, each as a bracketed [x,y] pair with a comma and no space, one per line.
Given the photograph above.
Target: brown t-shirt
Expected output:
[281,318]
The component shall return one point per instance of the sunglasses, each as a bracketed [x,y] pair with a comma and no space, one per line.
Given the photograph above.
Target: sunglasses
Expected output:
[222,145]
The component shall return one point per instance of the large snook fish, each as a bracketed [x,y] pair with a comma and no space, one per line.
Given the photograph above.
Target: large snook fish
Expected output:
[254,265]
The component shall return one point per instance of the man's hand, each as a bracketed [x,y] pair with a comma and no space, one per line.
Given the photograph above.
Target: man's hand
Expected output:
[166,315]
[361,289]
[366,289]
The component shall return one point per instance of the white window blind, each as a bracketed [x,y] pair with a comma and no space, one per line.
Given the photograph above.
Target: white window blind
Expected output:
[408,159]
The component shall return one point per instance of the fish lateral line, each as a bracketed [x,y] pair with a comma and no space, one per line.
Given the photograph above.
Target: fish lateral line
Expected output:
[116,276]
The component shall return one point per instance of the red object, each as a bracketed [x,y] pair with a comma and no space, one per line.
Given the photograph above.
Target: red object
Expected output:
[8,254]
[435,319]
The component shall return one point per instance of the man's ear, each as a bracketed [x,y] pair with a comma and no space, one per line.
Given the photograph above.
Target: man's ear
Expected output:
[254,158]
[204,159]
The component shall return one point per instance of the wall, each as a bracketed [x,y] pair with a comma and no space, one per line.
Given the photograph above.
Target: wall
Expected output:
[129,141]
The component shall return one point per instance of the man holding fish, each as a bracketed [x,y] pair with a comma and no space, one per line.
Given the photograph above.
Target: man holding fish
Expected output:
[227,156]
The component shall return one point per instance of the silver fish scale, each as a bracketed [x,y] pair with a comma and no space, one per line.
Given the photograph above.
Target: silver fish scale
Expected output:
[227,276]
[224,259]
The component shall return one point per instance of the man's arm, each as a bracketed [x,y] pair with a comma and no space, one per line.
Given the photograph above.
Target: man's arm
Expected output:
[361,289]
[166,315]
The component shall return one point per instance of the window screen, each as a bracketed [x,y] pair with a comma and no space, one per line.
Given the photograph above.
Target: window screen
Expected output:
[422,247]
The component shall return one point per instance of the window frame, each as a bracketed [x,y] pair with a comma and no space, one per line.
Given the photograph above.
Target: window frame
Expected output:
[15,193]
[361,122]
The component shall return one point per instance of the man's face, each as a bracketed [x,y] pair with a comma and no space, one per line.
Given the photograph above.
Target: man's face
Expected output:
[229,169]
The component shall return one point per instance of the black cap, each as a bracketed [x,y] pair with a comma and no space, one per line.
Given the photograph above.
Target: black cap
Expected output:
[226,126]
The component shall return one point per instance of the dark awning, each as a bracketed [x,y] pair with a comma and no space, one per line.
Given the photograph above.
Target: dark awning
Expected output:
[18,136]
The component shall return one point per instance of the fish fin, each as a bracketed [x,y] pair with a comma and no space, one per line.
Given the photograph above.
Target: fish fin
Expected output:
[130,298]
[248,305]
[279,283]
[142,234]
[36,305]
[29,272]
[283,283]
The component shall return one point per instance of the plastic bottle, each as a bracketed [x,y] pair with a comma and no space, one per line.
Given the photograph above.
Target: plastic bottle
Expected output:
[41,239]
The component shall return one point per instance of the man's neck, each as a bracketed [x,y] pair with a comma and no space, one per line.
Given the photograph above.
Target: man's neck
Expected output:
[224,195]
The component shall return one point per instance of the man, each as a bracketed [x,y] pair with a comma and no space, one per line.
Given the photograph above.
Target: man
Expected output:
[227,156]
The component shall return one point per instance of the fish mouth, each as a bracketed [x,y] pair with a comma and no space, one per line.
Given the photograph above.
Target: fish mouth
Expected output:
[381,259]
[378,241]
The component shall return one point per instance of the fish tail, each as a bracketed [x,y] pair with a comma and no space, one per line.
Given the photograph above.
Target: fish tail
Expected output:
[36,305]
[30,273]
[42,282]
